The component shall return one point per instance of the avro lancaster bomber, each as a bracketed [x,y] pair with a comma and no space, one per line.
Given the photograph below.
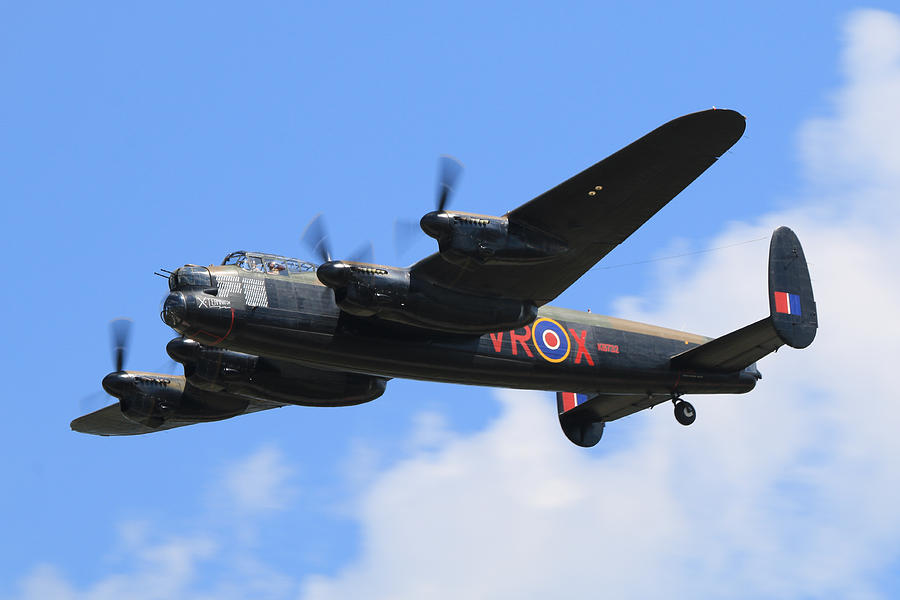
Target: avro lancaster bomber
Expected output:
[262,331]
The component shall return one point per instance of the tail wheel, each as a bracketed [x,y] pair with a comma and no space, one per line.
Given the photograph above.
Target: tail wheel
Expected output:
[685,413]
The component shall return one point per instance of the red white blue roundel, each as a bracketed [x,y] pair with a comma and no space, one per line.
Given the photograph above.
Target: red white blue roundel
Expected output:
[551,340]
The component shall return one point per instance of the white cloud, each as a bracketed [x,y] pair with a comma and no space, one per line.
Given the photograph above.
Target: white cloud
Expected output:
[430,430]
[789,491]
[155,570]
[149,564]
[858,151]
[260,482]
[45,582]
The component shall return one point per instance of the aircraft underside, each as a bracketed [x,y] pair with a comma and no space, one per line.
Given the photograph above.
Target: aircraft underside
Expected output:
[262,331]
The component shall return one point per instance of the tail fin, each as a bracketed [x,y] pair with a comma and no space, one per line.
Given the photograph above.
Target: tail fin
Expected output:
[791,304]
[583,427]
[792,316]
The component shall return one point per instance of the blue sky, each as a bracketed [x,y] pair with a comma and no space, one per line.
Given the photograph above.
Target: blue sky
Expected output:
[135,138]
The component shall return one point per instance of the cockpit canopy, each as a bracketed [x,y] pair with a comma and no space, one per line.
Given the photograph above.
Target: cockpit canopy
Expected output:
[268,263]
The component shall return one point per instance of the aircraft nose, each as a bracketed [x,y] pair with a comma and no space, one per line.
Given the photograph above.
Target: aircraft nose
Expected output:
[174,309]
[117,384]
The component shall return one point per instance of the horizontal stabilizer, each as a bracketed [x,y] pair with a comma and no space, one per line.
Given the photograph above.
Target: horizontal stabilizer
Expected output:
[734,351]
[583,417]
[792,316]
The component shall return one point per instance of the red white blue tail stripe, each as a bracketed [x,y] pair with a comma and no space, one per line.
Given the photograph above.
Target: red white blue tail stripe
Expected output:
[787,303]
[569,400]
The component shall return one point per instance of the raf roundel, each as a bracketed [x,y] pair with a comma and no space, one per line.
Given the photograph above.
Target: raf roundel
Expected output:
[550,340]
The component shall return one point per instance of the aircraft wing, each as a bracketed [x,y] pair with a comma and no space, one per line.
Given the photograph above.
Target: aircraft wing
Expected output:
[110,420]
[597,209]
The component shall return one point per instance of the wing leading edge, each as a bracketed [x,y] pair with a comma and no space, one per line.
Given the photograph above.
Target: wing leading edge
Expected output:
[597,209]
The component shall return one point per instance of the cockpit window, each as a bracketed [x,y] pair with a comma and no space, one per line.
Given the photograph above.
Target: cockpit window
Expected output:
[253,263]
[268,263]
[276,266]
[235,258]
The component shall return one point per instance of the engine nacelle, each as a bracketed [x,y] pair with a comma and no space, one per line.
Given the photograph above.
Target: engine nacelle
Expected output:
[463,237]
[211,369]
[249,376]
[365,290]
[151,399]
[440,308]
[154,400]
[392,294]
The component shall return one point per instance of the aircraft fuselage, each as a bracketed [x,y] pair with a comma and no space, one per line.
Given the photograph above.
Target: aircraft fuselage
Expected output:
[296,318]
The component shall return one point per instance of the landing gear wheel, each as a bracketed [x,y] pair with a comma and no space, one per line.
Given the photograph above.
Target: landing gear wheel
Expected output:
[685,413]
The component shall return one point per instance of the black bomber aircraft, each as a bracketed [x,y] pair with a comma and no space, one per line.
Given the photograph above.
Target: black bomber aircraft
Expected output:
[262,331]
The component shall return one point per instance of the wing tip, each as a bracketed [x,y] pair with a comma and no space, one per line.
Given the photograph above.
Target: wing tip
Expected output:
[108,421]
[723,127]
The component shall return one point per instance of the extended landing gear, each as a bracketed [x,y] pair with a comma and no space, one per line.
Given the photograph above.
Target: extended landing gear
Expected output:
[684,412]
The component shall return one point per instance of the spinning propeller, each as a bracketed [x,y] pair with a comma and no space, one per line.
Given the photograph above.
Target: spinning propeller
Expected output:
[316,237]
[449,172]
[120,330]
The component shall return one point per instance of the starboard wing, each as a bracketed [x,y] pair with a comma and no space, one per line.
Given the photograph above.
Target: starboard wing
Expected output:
[597,209]
[110,421]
